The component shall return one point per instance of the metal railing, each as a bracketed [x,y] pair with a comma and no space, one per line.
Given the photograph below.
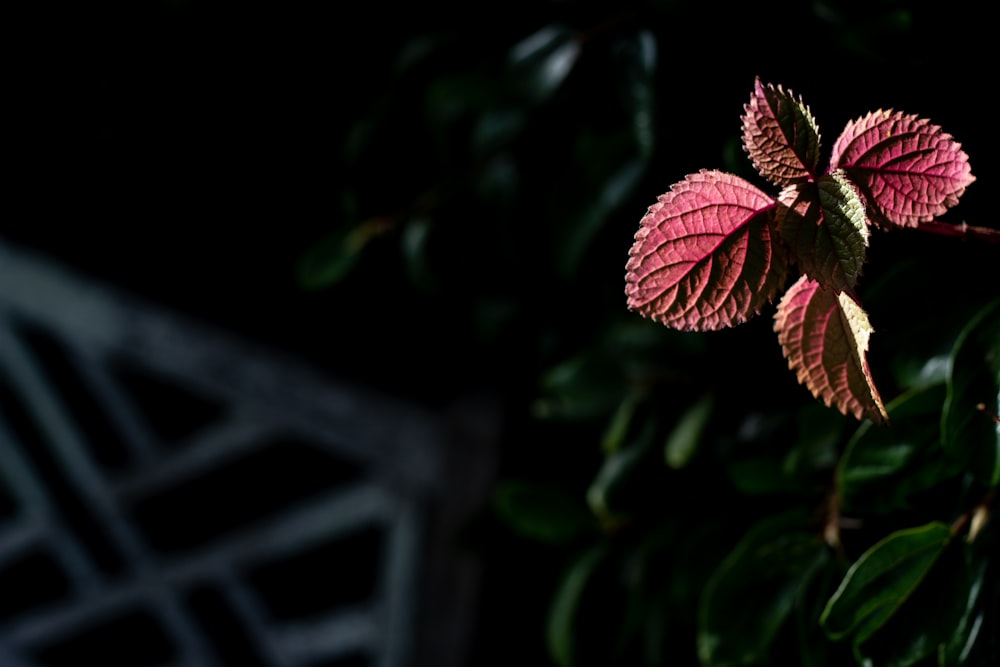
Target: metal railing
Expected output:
[173,495]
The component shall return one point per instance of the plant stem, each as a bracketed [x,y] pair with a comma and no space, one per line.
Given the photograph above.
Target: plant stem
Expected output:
[986,234]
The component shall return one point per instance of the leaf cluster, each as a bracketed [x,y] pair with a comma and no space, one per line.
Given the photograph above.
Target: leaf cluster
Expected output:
[715,248]
[848,544]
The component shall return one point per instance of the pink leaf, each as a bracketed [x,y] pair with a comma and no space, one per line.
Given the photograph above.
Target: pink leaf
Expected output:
[909,170]
[824,224]
[780,135]
[704,256]
[824,335]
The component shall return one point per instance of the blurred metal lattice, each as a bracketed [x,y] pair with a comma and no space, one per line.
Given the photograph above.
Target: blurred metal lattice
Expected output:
[171,495]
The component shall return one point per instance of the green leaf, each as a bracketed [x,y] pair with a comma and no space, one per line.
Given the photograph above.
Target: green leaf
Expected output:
[883,467]
[881,581]
[760,476]
[585,386]
[647,353]
[817,445]
[815,650]
[561,630]
[916,361]
[496,129]
[618,480]
[452,97]
[749,597]
[686,436]
[618,427]
[647,590]
[596,205]
[966,632]
[333,258]
[538,64]
[541,512]
[414,242]
[824,224]
[912,636]
[636,56]
[969,425]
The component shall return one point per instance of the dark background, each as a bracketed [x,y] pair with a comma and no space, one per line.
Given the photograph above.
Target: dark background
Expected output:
[194,151]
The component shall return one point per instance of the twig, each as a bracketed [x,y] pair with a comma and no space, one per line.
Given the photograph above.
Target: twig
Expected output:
[963,230]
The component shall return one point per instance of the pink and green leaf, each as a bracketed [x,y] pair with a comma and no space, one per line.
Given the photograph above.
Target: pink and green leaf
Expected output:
[909,170]
[780,135]
[824,335]
[705,255]
[824,224]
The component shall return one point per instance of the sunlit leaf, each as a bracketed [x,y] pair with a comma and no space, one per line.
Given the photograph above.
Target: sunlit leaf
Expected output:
[909,170]
[882,579]
[780,135]
[969,425]
[704,256]
[749,597]
[824,335]
[824,224]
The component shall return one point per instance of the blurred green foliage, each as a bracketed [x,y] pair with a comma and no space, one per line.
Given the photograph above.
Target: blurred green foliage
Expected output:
[671,498]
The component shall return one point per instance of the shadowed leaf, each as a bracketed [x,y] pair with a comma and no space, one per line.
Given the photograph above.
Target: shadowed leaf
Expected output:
[824,335]
[883,468]
[973,400]
[971,625]
[684,439]
[540,63]
[333,258]
[824,224]
[636,58]
[612,494]
[596,206]
[561,632]
[913,636]
[881,581]
[704,256]
[780,135]
[769,567]
[909,170]
[540,512]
